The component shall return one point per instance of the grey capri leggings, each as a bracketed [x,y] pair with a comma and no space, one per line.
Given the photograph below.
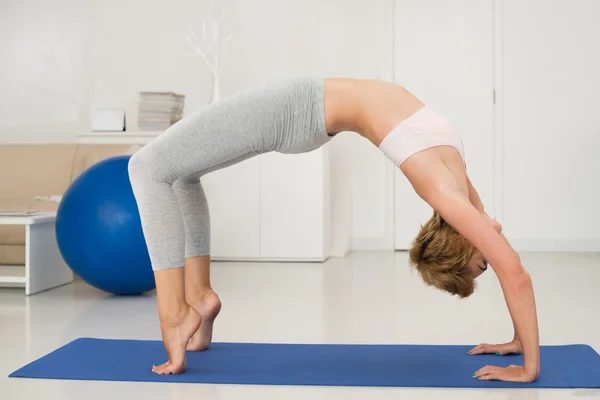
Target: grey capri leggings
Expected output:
[287,117]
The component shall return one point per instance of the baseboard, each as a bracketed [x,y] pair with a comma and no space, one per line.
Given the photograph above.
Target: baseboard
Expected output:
[556,245]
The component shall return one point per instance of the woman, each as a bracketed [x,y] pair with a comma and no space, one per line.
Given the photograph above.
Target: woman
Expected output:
[298,116]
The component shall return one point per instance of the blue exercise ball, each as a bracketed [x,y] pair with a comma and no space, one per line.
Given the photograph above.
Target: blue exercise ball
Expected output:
[99,232]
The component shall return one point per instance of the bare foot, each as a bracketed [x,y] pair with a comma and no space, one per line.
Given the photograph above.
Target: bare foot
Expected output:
[208,306]
[176,333]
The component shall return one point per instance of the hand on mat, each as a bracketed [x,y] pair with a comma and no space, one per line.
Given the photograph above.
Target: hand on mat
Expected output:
[512,373]
[513,347]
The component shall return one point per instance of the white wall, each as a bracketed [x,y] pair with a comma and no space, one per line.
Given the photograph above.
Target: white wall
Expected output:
[61,57]
[551,124]
[546,61]
[445,55]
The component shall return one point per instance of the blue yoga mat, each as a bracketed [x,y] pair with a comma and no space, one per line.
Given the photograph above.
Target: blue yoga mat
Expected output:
[573,366]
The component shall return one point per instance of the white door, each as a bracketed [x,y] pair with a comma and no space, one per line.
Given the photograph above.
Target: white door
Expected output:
[444,54]
[233,201]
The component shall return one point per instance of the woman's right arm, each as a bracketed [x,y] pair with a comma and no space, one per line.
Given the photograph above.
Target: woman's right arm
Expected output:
[435,184]
[514,279]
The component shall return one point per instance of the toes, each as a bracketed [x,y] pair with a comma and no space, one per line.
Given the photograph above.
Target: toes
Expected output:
[159,369]
[165,370]
[168,368]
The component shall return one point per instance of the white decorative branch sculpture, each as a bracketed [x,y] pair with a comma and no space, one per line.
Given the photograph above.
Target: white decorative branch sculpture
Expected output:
[211,47]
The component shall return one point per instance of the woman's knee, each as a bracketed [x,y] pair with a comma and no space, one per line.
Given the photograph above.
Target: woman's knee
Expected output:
[143,164]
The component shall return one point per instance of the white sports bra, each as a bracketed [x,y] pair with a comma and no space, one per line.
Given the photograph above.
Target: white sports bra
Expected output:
[422,130]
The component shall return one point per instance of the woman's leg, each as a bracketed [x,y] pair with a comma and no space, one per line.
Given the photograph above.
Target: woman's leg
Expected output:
[178,321]
[222,134]
[205,301]
[151,176]
[198,291]
[194,146]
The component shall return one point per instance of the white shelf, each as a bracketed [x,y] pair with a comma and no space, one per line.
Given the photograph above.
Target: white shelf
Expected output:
[33,219]
[128,137]
[12,274]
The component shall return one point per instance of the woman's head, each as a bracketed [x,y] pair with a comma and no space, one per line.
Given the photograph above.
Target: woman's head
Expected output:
[445,259]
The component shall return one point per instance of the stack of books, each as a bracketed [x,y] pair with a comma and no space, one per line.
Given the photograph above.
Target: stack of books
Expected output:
[159,110]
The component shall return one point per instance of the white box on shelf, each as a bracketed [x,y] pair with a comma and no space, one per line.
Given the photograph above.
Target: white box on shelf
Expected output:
[108,120]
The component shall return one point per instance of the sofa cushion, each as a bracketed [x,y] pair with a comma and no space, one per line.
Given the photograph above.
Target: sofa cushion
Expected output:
[87,155]
[12,255]
[27,171]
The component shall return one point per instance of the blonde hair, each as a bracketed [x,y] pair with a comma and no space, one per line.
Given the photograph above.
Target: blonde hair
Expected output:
[440,254]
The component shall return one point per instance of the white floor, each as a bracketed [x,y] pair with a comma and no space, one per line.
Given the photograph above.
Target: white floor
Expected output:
[364,298]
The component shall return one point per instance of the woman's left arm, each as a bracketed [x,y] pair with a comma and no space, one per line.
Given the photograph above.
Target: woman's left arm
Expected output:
[514,279]
[474,197]
[434,183]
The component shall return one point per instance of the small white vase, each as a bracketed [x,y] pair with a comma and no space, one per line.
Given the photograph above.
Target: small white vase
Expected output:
[215,93]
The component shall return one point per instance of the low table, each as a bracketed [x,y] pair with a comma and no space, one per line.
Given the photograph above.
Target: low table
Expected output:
[44,266]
